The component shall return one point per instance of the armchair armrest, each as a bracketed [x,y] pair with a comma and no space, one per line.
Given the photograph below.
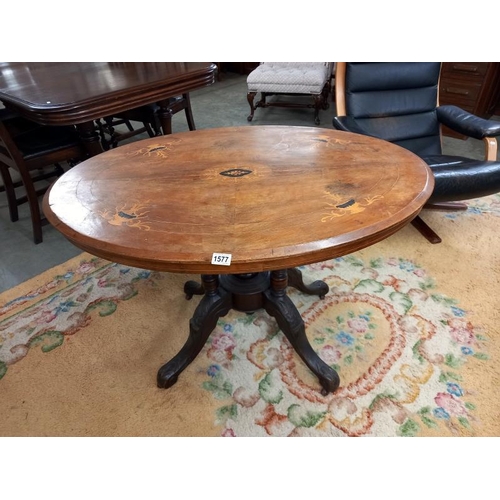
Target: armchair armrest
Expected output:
[466,123]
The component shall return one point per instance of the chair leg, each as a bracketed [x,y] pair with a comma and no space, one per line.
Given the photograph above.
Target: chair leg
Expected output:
[167,124]
[451,206]
[250,99]
[188,111]
[425,230]
[148,129]
[10,193]
[58,169]
[102,134]
[31,194]
[113,136]
[129,125]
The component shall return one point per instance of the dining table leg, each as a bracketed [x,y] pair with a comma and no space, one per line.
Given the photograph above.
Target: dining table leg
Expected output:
[90,138]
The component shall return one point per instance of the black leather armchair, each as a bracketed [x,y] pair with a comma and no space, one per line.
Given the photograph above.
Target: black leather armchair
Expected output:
[398,102]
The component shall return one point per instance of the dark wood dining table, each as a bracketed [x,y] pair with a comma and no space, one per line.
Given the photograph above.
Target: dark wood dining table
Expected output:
[77,93]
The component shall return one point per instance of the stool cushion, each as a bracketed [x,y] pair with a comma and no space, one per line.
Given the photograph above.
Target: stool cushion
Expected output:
[289,77]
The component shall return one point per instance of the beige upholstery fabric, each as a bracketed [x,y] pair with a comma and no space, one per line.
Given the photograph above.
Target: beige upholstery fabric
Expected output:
[290,77]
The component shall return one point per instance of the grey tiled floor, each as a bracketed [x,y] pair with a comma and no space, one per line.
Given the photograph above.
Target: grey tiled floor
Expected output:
[220,105]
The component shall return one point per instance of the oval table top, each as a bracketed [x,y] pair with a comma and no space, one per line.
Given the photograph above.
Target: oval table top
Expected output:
[272,197]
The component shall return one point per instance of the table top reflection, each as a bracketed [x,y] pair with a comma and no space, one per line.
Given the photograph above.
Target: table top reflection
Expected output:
[67,93]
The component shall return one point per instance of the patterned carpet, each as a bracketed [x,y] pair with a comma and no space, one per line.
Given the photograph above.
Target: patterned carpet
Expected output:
[412,328]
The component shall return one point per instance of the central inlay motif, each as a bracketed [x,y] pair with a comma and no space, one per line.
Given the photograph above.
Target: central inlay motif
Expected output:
[235,172]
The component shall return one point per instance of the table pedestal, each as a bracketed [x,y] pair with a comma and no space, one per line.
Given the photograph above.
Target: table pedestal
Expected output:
[247,293]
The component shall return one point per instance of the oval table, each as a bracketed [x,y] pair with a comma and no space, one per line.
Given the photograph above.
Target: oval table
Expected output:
[242,206]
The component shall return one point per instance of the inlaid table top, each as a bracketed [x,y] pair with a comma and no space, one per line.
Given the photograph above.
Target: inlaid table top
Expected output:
[270,196]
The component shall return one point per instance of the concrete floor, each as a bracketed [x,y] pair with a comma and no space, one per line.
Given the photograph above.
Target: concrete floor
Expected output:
[220,105]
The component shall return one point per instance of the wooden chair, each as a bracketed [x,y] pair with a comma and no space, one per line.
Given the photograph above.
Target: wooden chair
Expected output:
[148,116]
[398,102]
[35,152]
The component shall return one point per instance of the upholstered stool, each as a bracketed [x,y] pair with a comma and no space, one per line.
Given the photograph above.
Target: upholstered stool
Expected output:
[290,78]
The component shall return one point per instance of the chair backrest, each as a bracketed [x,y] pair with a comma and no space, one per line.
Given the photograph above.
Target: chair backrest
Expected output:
[28,145]
[393,101]
[29,148]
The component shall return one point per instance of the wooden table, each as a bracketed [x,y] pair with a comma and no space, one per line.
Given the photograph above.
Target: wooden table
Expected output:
[77,93]
[270,197]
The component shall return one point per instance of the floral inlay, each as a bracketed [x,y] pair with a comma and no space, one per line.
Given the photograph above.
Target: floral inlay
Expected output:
[339,205]
[159,150]
[128,215]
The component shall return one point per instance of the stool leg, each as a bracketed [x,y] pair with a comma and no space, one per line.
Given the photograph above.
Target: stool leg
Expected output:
[250,98]
[325,94]
[318,103]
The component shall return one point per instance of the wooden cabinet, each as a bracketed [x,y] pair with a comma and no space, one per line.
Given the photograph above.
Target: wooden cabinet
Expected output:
[473,86]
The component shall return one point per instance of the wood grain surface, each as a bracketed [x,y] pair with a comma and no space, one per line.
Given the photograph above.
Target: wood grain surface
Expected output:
[273,197]
[69,93]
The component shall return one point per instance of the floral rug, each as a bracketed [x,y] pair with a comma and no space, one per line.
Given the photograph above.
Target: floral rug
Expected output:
[411,328]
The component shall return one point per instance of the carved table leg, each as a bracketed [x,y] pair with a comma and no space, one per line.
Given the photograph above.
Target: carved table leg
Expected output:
[279,305]
[90,138]
[318,287]
[193,288]
[165,116]
[216,303]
